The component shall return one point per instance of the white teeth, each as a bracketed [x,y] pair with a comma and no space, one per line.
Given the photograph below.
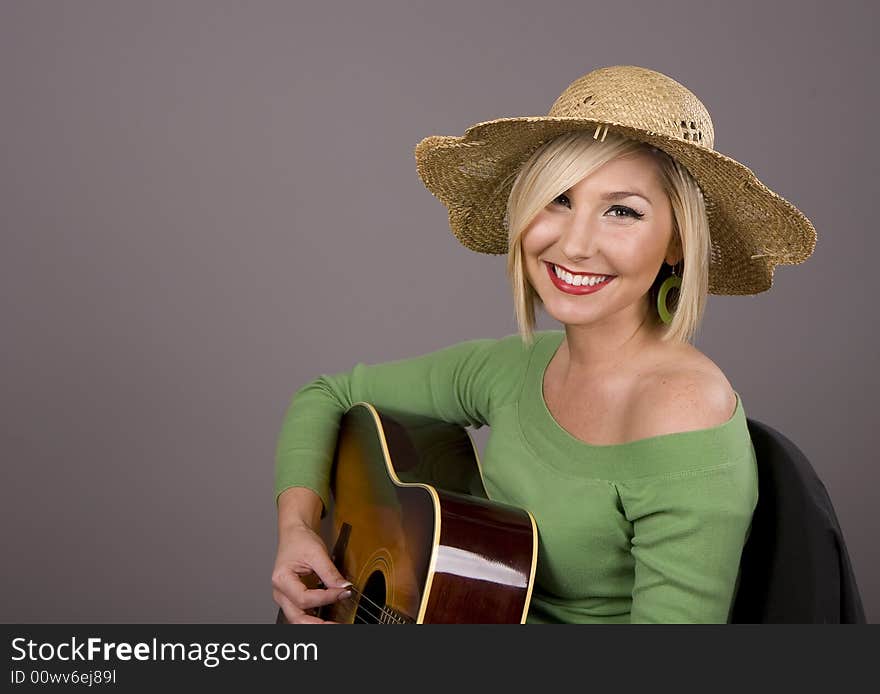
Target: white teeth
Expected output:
[578,280]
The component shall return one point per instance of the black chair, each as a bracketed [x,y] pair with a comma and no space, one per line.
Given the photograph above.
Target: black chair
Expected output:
[795,568]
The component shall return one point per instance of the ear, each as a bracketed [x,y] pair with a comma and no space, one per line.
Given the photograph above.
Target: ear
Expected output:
[674,252]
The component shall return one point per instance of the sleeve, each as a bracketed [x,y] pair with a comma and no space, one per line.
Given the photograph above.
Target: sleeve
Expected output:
[689,530]
[450,384]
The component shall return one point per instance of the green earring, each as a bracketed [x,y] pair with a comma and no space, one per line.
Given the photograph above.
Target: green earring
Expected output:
[673,281]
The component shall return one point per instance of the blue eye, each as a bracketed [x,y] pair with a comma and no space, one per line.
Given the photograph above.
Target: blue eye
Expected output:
[627,211]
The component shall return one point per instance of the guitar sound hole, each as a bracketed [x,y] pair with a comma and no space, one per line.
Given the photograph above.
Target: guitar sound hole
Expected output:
[372,602]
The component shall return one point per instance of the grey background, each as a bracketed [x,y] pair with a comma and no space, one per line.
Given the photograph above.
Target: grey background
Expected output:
[207,204]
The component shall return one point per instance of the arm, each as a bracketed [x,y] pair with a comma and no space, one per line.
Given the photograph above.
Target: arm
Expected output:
[451,384]
[689,530]
[298,506]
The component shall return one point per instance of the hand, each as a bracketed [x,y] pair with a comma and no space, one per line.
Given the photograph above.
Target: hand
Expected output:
[301,553]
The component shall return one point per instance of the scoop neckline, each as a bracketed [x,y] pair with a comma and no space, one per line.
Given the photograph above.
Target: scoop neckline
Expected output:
[537,422]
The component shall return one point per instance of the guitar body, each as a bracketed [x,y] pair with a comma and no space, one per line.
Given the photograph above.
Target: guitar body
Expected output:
[410,526]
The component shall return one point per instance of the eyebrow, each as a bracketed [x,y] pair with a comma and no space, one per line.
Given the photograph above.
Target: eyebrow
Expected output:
[620,194]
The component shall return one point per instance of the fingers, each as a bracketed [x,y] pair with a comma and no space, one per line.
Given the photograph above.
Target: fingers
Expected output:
[288,588]
[302,556]
[327,572]
[294,614]
[309,598]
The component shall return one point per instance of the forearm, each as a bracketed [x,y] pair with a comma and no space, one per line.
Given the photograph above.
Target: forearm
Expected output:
[449,384]
[298,506]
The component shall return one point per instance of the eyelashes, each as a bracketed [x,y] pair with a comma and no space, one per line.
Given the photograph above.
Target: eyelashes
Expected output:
[629,212]
[632,212]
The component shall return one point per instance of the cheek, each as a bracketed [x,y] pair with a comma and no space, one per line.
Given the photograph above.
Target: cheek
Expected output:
[639,252]
[536,238]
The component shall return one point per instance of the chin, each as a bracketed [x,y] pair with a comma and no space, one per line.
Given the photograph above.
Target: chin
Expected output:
[571,316]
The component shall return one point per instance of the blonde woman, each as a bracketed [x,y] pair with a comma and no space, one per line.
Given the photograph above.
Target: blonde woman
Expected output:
[627,445]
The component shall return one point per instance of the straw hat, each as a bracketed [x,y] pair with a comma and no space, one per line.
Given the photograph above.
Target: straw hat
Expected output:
[752,228]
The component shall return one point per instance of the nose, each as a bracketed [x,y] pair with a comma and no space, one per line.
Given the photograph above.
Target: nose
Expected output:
[578,239]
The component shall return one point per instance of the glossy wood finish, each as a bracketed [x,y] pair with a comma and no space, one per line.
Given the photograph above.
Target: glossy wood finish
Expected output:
[484,568]
[435,552]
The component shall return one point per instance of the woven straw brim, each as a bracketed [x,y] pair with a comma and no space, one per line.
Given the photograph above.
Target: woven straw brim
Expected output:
[752,228]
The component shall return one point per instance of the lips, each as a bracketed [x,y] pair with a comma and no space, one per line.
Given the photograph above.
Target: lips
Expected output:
[573,272]
[570,289]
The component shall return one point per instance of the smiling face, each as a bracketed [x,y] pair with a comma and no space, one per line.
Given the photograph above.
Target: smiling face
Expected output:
[616,222]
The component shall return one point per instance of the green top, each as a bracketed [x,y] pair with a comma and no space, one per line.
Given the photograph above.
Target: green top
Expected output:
[650,530]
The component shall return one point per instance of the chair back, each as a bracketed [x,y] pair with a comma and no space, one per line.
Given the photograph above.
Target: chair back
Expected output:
[795,568]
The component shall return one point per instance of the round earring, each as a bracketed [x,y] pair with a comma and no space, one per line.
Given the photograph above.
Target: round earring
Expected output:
[671,282]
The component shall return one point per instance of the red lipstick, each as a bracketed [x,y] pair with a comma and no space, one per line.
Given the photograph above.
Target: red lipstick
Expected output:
[571,289]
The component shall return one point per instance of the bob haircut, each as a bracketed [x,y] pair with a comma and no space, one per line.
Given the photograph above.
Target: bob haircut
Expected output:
[563,161]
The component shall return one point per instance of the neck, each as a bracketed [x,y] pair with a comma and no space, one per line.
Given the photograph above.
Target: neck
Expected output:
[597,349]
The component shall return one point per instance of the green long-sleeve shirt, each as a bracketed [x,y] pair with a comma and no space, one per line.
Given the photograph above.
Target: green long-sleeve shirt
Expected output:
[645,531]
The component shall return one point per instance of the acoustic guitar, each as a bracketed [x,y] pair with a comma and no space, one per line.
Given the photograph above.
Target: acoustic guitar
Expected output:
[411,527]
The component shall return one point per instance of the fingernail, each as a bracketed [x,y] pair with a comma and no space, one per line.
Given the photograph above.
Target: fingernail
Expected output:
[345,595]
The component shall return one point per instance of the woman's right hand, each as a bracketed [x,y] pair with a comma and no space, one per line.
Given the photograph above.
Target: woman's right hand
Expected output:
[301,553]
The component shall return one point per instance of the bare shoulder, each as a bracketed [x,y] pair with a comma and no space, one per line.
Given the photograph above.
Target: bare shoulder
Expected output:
[684,394]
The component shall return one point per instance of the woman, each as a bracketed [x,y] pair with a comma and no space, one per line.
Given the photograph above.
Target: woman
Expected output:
[629,447]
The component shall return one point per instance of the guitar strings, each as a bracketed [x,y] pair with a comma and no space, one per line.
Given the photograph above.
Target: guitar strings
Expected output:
[364,609]
[394,619]
[369,613]
[383,612]
[373,619]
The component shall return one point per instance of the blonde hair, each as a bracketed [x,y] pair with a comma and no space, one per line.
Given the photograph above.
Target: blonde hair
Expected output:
[563,161]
